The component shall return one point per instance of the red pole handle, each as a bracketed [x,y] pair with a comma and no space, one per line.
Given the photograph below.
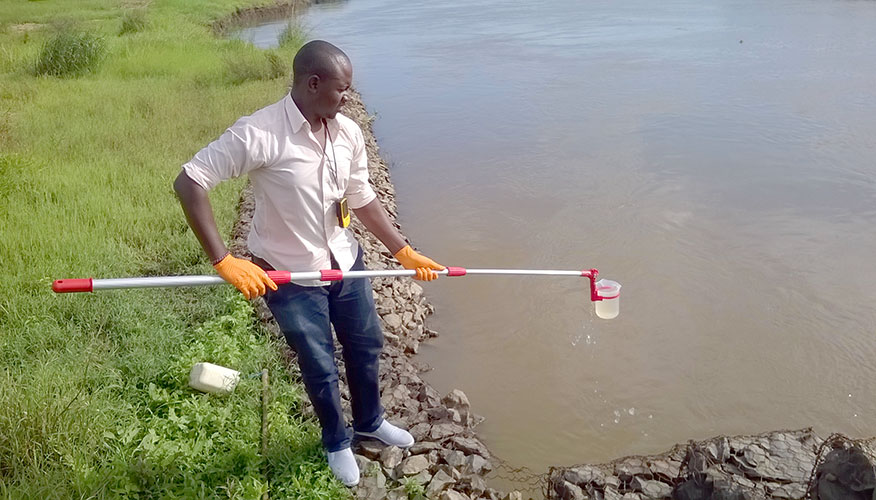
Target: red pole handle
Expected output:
[280,277]
[456,271]
[72,285]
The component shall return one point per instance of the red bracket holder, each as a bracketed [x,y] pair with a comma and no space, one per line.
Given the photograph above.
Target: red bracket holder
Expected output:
[592,274]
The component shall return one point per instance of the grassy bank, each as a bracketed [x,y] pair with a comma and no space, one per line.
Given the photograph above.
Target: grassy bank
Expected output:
[93,394]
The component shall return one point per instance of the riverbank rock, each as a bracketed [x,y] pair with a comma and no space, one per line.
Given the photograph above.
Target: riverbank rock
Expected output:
[774,465]
[847,472]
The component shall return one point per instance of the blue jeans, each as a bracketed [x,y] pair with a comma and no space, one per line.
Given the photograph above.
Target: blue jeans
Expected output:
[305,315]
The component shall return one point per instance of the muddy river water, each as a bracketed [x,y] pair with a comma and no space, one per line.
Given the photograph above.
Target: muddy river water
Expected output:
[718,159]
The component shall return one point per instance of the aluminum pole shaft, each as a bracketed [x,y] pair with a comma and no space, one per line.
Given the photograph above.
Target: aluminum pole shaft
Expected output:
[281,277]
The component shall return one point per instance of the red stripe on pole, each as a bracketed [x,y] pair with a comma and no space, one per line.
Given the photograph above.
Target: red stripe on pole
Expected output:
[331,275]
[456,271]
[73,285]
[280,277]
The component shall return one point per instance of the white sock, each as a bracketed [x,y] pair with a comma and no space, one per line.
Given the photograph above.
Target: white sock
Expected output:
[343,465]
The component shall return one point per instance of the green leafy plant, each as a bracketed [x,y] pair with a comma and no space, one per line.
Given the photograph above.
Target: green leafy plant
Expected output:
[414,489]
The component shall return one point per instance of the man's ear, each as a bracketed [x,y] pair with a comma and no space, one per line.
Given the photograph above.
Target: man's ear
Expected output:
[313,83]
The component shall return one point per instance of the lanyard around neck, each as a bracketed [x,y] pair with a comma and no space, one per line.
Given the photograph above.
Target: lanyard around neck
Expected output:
[327,139]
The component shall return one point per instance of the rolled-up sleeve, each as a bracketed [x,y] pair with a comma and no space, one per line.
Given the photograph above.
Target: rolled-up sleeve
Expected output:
[359,191]
[237,151]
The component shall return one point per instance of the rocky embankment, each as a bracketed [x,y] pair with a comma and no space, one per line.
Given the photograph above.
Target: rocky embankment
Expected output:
[775,465]
[448,460]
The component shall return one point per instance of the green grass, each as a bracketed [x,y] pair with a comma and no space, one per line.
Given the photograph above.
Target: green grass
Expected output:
[94,400]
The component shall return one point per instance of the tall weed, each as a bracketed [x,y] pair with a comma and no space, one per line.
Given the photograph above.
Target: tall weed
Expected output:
[133,21]
[276,66]
[293,35]
[70,53]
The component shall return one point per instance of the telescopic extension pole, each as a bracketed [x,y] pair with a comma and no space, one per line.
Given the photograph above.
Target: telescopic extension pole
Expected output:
[283,277]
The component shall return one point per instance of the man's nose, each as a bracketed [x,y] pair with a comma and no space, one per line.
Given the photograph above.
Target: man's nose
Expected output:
[344,98]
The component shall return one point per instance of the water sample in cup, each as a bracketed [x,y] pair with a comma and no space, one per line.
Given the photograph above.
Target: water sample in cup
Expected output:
[609,306]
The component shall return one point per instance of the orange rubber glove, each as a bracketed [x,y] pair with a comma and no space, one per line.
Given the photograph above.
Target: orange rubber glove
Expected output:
[249,278]
[412,260]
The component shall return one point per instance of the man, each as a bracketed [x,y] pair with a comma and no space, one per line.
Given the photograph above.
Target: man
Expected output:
[307,165]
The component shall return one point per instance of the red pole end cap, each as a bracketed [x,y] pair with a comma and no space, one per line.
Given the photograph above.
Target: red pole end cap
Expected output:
[73,285]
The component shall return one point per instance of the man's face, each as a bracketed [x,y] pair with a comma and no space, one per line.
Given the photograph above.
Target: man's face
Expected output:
[332,92]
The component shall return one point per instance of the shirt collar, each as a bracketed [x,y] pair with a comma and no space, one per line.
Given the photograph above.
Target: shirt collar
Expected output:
[297,120]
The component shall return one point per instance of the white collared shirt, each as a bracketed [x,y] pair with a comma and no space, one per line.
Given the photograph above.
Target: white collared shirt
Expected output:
[295,224]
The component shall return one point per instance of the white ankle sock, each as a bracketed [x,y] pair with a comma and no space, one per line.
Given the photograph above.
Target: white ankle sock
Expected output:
[391,435]
[343,465]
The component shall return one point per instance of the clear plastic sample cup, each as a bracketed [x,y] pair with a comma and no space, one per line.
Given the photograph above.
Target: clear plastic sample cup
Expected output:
[609,306]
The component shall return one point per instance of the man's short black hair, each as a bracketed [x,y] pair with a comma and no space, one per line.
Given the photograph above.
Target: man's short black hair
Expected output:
[319,58]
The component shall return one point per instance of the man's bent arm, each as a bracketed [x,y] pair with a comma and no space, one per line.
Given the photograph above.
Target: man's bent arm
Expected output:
[375,219]
[374,216]
[250,279]
[199,213]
